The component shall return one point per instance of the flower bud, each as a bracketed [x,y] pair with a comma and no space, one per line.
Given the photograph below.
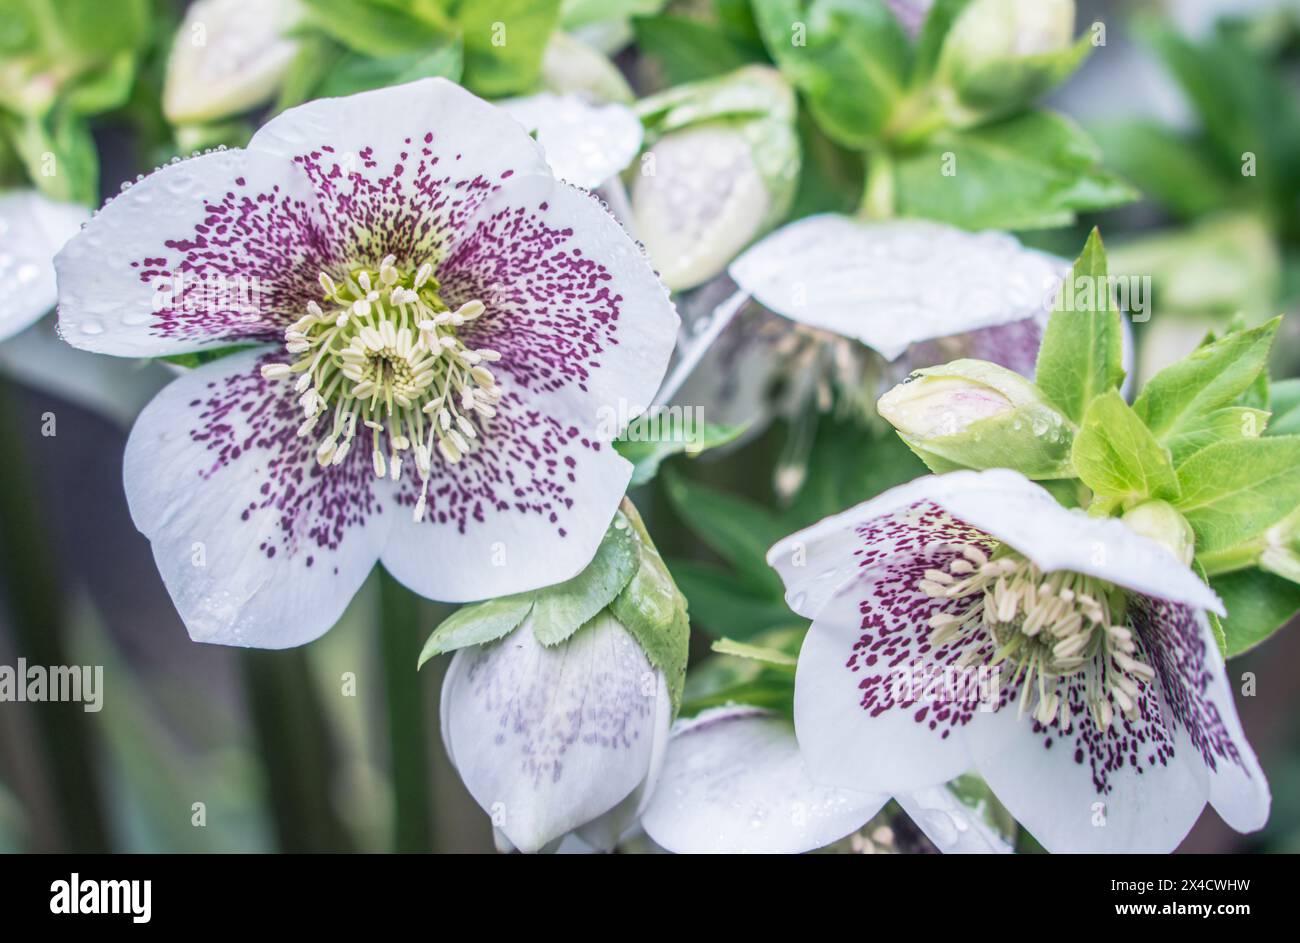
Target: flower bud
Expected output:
[975,414]
[1161,522]
[571,67]
[1001,54]
[228,57]
[720,172]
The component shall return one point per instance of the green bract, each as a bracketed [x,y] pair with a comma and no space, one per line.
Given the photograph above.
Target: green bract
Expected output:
[627,577]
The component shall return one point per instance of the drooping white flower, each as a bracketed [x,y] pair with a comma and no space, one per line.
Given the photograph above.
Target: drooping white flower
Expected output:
[228,57]
[585,144]
[438,323]
[854,306]
[1109,719]
[734,782]
[557,740]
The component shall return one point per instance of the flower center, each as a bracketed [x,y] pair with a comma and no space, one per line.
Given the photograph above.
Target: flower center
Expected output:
[380,355]
[1057,629]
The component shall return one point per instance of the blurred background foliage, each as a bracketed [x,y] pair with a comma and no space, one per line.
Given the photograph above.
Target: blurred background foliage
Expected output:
[202,748]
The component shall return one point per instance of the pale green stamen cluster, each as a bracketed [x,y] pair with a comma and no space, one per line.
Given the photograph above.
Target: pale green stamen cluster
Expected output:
[1056,628]
[380,355]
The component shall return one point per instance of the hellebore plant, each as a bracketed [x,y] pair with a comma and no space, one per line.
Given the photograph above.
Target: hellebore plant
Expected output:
[557,705]
[1112,721]
[433,322]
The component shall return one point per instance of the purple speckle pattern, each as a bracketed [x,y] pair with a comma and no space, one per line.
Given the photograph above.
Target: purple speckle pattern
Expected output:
[245,418]
[551,313]
[894,553]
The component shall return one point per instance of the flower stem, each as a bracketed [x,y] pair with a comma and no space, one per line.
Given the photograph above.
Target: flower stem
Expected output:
[399,632]
[296,749]
[878,199]
[1234,558]
[33,599]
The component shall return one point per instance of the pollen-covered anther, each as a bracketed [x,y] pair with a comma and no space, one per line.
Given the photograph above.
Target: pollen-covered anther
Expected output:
[1058,629]
[381,348]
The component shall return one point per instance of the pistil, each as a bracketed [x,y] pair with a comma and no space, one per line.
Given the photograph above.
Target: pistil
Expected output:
[381,354]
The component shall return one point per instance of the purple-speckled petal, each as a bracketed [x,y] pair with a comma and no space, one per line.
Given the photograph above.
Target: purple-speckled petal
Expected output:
[734,782]
[1196,687]
[211,251]
[400,170]
[257,545]
[584,331]
[548,739]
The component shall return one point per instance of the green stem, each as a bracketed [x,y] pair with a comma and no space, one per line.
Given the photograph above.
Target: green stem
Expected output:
[399,631]
[879,198]
[297,752]
[33,598]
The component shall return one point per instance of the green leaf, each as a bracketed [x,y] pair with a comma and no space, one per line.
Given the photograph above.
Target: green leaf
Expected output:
[106,88]
[504,41]
[850,58]
[1234,491]
[1032,171]
[773,657]
[317,55]
[199,357]
[653,610]
[561,610]
[1285,403]
[1117,456]
[357,73]
[477,625]
[1082,354]
[647,454]
[1258,605]
[1168,166]
[1222,425]
[378,28]
[848,465]
[59,155]
[688,50]
[723,605]
[738,530]
[1211,377]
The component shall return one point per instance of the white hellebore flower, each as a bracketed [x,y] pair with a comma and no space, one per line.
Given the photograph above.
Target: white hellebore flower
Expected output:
[32,229]
[585,143]
[438,321]
[858,304]
[1110,720]
[556,740]
[228,57]
[734,782]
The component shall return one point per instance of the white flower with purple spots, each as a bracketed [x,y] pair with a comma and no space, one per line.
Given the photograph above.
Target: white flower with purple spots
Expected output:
[1109,721]
[434,323]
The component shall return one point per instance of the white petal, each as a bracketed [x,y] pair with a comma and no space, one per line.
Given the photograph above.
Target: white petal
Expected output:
[548,739]
[1002,503]
[32,229]
[1138,787]
[210,251]
[735,783]
[584,144]
[584,331]
[891,284]
[257,545]
[116,389]
[1199,694]
[400,170]
[228,56]
[698,199]
[861,709]
[954,827]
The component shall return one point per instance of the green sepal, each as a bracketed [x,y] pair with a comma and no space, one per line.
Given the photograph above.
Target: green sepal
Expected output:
[653,610]
[477,625]
[999,88]
[1082,354]
[1117,456]
[560,610]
